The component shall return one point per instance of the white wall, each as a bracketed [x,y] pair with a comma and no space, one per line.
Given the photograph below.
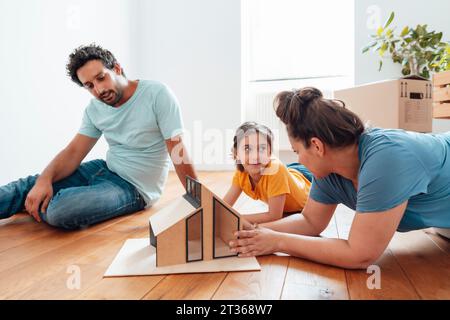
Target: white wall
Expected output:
[40,107]
[195,47]
[435,13]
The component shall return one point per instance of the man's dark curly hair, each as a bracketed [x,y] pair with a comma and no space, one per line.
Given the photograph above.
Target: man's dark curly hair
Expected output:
[81,55]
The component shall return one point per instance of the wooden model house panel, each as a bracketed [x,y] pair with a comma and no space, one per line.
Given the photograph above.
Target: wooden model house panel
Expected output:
[171,247]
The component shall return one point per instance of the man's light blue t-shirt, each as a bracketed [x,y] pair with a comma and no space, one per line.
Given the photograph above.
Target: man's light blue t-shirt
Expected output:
[396,166]
[135,133]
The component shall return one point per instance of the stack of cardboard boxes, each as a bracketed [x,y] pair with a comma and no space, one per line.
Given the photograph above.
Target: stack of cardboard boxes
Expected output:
[441,95]
[404,103]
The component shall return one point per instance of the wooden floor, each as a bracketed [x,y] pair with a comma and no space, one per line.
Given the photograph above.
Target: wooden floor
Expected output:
[36,262]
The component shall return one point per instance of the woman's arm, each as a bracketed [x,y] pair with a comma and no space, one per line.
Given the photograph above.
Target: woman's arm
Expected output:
[232,195]
[369,236]
[276,207]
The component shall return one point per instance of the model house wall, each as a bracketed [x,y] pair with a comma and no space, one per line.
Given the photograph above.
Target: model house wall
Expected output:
[196,227]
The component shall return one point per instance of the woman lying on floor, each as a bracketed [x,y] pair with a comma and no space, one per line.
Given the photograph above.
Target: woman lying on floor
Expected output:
[395,180]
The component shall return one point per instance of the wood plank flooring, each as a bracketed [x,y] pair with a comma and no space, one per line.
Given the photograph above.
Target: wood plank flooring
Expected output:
[36,261]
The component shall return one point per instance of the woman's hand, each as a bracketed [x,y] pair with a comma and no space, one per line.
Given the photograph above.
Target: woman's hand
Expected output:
[257,242]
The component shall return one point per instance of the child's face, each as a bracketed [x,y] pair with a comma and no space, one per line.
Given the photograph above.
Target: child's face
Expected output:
[254,153]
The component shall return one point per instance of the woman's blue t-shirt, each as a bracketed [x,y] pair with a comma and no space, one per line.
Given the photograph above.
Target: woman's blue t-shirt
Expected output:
[396,166]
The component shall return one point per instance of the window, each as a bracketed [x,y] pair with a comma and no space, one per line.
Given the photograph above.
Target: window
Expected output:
[225,222]
[152,236]
[193,192]
[194,237]
[292,39]
[290,44]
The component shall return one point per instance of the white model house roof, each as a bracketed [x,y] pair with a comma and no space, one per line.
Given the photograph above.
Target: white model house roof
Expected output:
[170,215]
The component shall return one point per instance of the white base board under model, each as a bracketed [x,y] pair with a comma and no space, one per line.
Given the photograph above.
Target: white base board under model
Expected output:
[138,258]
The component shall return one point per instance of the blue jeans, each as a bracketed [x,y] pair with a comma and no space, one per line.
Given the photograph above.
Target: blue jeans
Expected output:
[302,169]
[90,195]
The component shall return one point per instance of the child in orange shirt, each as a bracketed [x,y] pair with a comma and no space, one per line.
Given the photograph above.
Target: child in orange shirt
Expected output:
[263,177]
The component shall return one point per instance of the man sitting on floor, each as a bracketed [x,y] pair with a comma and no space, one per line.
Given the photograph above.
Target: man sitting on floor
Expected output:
[142,123]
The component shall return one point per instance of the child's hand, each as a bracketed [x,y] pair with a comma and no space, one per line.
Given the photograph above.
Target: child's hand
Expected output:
[247,225]
[260,241]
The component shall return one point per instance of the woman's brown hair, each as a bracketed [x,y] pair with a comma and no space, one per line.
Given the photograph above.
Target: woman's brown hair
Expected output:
[246,129]
[308,114]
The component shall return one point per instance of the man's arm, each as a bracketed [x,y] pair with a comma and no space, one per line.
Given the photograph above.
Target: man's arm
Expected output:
[63,165]
[180,159]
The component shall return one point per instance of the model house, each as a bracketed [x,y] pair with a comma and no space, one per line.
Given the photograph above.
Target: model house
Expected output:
[195,227]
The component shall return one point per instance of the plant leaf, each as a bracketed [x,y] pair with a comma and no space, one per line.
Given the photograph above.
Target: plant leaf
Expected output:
[383,49]
[420,30]
[388,22]
[406,71]
[367,48]
[391,48]
[380,65]
[380,31]
[404,31]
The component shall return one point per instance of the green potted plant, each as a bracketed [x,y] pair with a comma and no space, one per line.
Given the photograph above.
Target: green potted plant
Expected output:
[419,51]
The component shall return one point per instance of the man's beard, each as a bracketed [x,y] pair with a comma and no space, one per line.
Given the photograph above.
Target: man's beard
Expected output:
[111,97]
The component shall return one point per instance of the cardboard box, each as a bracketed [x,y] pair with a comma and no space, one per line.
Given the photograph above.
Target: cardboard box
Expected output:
[404,103]
[441,95]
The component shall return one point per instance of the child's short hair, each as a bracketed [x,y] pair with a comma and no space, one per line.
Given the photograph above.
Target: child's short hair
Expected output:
[246,129]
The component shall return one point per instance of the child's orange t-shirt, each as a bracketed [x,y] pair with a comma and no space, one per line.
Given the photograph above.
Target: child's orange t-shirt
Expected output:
[276,180]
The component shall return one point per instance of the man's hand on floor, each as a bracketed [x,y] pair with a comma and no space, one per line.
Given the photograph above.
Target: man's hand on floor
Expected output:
[41,193]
